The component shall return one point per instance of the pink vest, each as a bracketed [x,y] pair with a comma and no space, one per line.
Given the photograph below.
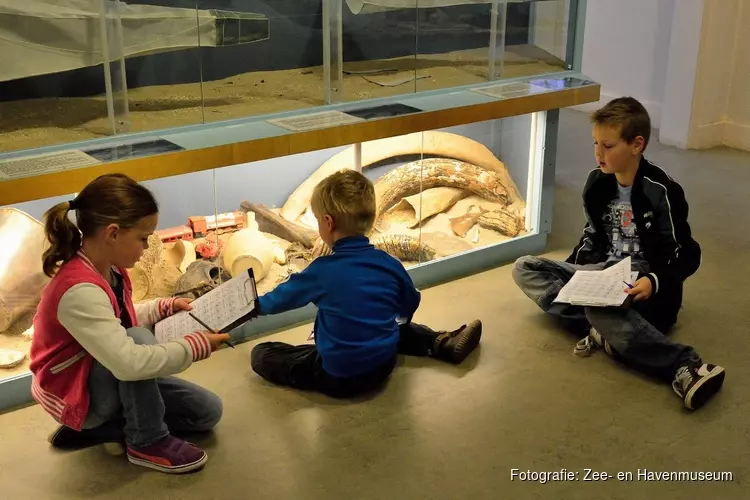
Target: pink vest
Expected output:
[60,366]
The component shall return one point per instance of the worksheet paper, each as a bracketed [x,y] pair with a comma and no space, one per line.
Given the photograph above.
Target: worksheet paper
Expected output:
[605,288]
[219,308]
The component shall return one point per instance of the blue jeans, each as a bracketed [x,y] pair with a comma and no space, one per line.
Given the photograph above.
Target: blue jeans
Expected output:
[634,339]
[151,408]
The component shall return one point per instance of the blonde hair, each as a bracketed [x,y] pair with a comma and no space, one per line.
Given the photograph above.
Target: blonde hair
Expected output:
[628,114]
[108,199]
[349,198]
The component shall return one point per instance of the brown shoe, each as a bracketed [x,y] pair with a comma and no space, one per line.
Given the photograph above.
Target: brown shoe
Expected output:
[455,346]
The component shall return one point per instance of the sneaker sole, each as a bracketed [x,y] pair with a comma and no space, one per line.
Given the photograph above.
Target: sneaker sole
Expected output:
[174,469]
[466,343]
[705,389]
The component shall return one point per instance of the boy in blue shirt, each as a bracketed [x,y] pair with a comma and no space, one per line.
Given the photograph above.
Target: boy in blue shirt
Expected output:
[365,301]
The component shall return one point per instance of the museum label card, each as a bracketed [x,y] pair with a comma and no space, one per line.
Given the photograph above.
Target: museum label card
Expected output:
[29,166]
[312,121]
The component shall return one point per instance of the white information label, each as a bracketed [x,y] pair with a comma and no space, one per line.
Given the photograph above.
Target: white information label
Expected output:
[511,90]
[28,166]
[312,121]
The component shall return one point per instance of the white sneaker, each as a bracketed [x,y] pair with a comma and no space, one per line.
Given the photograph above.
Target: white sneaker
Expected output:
[594,338]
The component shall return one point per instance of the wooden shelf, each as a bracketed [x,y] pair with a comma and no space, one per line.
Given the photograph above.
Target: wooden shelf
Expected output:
[193,160]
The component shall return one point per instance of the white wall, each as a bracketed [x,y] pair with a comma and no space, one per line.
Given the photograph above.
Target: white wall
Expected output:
[626,49]
[738,130]
[709,76]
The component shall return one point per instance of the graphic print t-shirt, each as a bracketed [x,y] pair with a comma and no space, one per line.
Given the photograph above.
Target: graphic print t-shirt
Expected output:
[620,227]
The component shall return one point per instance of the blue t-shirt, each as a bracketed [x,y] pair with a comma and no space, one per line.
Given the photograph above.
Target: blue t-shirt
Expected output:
[360,292]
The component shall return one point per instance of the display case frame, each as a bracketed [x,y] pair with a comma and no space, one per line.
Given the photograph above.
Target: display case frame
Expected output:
[224,144]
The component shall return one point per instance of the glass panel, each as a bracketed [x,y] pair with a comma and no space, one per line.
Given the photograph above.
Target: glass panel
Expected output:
[187,232]
[440,193]
[264,57]
[379,49]
[51,81]
[469,42]
[473,190]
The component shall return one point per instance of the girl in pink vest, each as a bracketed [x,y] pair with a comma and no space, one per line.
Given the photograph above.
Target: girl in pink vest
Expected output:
[95,368]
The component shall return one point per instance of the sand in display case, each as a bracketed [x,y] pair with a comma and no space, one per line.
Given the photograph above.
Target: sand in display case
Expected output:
[82,69]
[439,194]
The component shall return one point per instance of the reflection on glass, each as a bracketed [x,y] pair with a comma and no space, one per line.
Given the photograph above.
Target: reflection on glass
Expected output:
[84,69]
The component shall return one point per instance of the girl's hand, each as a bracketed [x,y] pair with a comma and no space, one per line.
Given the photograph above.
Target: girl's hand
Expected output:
[181,305]
[216,339]
[642,289]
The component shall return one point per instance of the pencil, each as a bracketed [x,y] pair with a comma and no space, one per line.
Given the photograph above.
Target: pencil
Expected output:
[229,343]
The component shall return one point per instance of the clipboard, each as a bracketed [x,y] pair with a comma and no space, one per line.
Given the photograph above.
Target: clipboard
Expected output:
[231,304]
[603,288]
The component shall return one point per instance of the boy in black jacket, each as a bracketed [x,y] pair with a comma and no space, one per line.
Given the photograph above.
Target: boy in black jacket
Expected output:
[633,208]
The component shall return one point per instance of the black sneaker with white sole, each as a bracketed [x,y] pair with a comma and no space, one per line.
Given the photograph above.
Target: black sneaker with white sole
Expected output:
[697,382]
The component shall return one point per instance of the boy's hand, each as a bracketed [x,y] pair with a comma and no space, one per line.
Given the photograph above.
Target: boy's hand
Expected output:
[181,305]
[642,289]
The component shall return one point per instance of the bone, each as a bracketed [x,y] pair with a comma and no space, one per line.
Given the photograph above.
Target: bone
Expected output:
[504,222]
[269,222]
[463,223]
[435,172]
[405,248]
[417,208]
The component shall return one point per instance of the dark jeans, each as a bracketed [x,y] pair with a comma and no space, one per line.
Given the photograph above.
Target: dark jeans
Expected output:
[150,408]
[301,366]
[636,341]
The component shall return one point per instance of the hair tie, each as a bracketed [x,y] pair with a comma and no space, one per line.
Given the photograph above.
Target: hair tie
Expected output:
[72,204]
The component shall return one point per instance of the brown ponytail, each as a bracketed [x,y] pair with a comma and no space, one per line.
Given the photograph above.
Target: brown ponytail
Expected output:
[63,236]
[108,199]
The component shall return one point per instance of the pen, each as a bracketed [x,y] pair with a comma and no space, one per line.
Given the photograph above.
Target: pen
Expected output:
[629,285]
[228,342]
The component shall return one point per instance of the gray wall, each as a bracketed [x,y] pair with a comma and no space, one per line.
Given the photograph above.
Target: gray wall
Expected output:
[272,181]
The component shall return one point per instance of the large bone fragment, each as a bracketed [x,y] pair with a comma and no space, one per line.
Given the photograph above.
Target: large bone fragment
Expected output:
[434,172]
[463,223]
[405,248]
[433,143]
[269,222]
[419,207]
[503,221]
[22,245]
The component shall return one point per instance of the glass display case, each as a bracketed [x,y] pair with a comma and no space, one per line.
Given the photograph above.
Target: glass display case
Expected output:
[440,194]
[463,169]
[77,70]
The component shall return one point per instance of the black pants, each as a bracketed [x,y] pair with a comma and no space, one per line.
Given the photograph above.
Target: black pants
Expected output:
[302,368]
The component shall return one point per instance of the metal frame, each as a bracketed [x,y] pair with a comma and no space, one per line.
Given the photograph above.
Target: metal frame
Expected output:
[576,30]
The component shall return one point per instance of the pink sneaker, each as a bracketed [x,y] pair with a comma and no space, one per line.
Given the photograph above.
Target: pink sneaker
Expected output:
[170,455]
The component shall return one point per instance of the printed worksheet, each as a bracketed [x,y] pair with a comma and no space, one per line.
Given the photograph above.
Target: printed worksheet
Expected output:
[598,288]
[219,308]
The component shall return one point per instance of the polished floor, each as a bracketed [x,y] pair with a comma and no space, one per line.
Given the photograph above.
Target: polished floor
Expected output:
[522,401]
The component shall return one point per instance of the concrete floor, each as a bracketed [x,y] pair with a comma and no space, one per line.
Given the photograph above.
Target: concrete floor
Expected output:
[443,432]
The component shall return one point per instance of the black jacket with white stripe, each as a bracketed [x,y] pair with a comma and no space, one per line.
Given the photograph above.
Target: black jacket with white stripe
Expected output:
[660,213]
